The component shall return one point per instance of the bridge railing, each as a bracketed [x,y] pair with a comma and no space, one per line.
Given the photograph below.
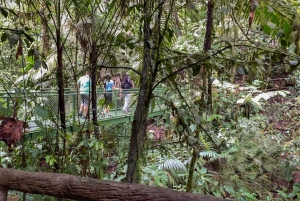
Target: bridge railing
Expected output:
[36,105]
[40,109]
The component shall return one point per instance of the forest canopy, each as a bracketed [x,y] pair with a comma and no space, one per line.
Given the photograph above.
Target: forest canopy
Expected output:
[213,108]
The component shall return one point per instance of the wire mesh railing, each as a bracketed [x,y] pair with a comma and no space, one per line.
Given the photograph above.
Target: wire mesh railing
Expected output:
[38,105]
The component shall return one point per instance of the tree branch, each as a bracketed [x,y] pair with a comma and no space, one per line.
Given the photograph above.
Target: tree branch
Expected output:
[82,188]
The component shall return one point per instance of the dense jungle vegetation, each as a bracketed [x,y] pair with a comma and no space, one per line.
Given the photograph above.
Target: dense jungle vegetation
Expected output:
[229,74]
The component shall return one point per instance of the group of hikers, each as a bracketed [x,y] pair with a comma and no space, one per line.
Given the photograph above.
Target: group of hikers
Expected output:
[84,86]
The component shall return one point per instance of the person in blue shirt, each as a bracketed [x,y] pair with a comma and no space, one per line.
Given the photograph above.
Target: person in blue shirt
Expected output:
[84,86]
[108,87]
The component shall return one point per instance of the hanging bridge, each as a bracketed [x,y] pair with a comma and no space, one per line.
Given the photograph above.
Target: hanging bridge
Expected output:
[40,109]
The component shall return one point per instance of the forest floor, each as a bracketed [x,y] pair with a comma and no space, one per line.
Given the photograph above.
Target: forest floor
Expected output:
[283,114]
[284,118]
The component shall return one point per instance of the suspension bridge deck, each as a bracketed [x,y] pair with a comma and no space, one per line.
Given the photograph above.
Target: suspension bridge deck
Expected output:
[40,110]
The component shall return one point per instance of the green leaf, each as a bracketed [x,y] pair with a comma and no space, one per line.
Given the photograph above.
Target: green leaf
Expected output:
[13,39]
[280,33]
[3,11]
[193,127]
[196,70]
[37,64]
[170,34]
[5,111]
[209,154]
[282,93]
[130,45]
[98,145]
[31,52]
[271,25]
[151,43]
[203,170]
[292,48]
[215,116]
[229,189]
[197,119]
[121,38]
[41,112]
[225,10]
[241,199]
[4,37]
[40,125]
[192,140]
[267,29]
[249,195]
[152,104]
[291,195]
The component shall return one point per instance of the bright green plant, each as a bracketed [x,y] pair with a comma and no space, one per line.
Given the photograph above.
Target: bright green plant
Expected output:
[5,159]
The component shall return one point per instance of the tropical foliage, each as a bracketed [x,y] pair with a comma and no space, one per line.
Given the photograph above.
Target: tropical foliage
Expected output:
[227,135]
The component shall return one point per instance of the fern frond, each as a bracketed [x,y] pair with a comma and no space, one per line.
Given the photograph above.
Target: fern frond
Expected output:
[172,164]
[209,154]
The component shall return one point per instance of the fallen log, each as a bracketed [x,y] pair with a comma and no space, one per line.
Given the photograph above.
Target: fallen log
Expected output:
[88,189]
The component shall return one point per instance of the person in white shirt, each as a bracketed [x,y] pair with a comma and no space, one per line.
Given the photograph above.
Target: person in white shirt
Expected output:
[84,85]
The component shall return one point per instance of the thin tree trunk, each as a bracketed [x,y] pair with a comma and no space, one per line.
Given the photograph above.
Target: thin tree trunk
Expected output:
[3,193]
[93,62]
[87,189]
[207,47]
[93,57]
[60,78]
[206,74]
[139,124]
[209,26]
[189,185]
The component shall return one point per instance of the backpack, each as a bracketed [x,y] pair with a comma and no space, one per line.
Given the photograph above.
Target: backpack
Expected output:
[126,84]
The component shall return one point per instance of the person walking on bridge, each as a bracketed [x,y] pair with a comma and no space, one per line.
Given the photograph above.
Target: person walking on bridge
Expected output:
[109,86]
[84,85]
[126,85]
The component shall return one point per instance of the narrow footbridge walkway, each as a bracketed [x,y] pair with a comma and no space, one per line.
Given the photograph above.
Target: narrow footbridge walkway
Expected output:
[40,109]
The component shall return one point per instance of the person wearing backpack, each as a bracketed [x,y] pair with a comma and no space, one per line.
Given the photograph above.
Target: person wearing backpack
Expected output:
[126,85]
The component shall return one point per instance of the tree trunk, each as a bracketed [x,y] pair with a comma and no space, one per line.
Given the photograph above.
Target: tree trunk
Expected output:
[93,58]
[206,90]
[60,78]
[139,124]
[93,62]
[207,47]
[209,25]
[87,189]
[3,193]
[189,185]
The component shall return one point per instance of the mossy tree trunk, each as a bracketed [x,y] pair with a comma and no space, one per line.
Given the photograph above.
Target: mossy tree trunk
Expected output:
[60,76]
[207,47]
[139,125]
[93,63]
